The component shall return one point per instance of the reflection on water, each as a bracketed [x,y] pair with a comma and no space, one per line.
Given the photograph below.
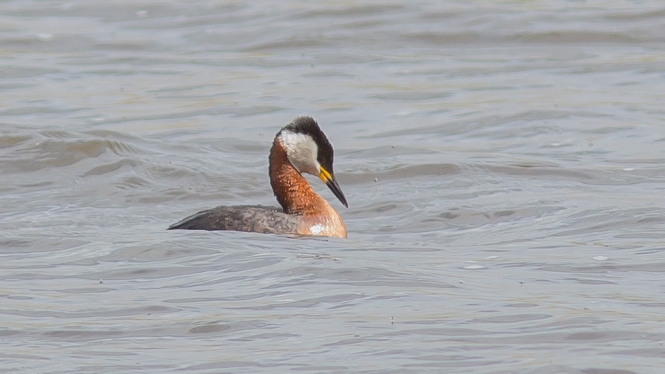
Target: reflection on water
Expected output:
[503,165]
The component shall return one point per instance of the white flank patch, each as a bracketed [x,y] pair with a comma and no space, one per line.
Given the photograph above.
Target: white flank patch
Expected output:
[316,229]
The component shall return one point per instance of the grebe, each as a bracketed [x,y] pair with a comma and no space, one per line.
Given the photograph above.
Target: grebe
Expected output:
[299,147]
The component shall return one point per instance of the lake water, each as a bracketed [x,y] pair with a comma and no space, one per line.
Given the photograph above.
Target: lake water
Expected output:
[504,164]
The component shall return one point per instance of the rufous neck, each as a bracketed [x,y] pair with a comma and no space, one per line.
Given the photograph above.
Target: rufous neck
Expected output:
[291,189]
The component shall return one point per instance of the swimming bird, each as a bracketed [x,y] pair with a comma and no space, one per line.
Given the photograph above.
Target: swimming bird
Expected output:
[299,147]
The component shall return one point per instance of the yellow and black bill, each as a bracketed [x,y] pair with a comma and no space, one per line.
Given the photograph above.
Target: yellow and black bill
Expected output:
[330,181]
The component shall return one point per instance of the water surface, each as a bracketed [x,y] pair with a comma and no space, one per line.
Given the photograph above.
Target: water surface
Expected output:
[503,163]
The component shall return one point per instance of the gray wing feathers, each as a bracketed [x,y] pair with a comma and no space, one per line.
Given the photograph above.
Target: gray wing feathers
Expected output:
[240,218]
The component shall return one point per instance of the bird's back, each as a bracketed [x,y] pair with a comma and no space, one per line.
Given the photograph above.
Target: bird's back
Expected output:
[241,218]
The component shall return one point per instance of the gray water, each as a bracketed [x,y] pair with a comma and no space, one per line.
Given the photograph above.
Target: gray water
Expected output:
[503,163]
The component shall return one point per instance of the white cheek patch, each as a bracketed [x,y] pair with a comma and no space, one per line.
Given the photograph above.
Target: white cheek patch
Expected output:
[301,151]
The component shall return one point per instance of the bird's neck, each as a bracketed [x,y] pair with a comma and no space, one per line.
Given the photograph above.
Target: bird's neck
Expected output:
[291,189]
